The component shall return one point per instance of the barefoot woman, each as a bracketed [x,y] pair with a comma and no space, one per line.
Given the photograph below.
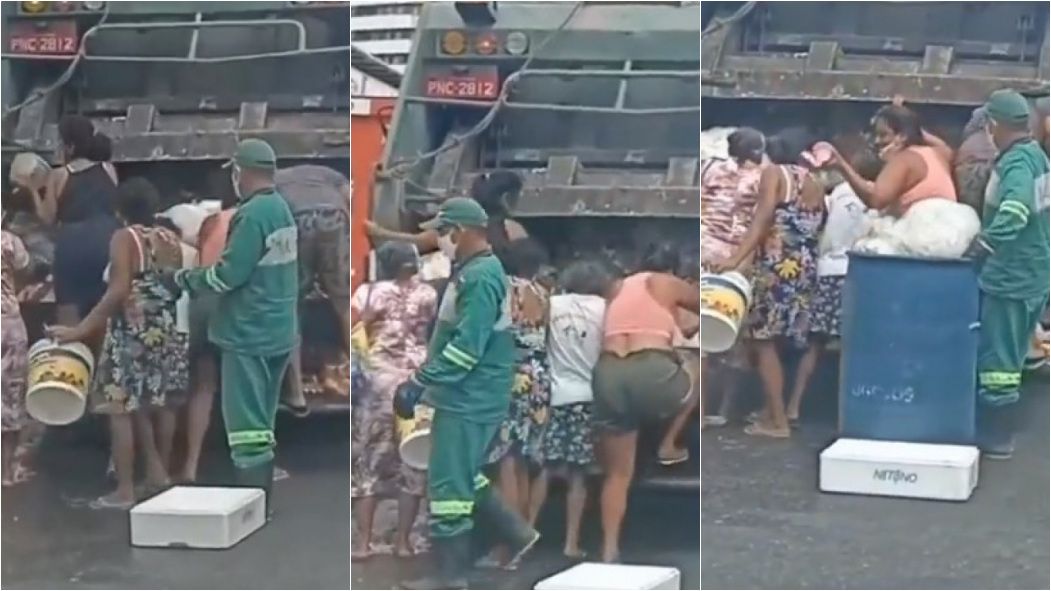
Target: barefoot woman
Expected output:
[639,377]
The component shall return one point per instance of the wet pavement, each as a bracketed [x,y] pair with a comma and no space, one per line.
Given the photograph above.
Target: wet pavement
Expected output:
[660,529]
[50,542]
[766,526]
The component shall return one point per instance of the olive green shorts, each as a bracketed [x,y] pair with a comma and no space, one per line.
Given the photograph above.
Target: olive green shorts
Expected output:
[644,387]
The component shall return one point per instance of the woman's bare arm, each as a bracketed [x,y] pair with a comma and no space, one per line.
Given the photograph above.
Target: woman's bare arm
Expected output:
[46,205]
[122,270]
[425,242]
[944,150]
[769,194]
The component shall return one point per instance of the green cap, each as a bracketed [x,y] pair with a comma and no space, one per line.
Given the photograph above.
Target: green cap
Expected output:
[254,153]
[458,211]
[1007,106]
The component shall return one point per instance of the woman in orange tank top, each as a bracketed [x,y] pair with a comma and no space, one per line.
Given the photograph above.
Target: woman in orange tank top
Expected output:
[917,163]
[204,370]
[640,378]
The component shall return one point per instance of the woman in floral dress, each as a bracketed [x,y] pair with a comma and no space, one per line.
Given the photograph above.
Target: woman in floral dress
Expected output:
[142,373]
[396,313]
[518,446]
[785,233]
[15,261]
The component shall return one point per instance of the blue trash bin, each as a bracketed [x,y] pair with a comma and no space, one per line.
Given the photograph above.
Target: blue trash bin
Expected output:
[909,350]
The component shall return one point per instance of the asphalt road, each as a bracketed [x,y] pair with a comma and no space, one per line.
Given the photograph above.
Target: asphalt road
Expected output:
[51,542]
[660,530]
[766,526]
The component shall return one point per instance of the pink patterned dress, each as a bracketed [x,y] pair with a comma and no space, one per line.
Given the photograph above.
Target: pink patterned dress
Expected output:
[15,259]
[729,193]
[397,317]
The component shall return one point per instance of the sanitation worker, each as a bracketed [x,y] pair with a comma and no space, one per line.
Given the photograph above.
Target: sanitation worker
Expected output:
[1013,246]
[467,379]
[255,326]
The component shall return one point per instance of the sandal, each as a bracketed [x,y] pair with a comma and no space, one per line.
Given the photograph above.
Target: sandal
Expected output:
[111,501]
[714,421]
[579,555]
[361,555]
[763,431]
[22,473]
[673,460]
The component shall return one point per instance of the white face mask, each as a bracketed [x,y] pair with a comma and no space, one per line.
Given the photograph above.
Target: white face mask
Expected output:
[447,246]
[235,180]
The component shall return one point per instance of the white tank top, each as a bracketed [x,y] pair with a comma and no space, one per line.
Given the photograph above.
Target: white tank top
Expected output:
[574,345]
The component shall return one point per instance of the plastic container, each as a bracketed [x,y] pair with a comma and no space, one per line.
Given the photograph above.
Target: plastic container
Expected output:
[899,469]
[414,437]
[725,300]
[909,350]
[58,381]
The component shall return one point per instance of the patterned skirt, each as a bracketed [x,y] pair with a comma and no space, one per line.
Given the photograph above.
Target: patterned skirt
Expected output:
[568,437]
[376,466]
[783,296]
[521,434]
[15,368]
[825,315]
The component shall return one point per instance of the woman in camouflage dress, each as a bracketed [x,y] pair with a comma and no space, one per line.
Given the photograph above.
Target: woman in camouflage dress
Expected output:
[15,261]
[396,313]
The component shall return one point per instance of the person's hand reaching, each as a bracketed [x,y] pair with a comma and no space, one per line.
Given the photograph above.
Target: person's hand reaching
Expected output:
[64,334]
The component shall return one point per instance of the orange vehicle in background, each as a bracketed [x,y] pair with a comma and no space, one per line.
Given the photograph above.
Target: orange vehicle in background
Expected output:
[369,120]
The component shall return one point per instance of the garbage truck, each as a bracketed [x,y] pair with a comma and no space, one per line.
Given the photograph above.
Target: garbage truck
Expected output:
[176,85]
[594,104]
[829,65]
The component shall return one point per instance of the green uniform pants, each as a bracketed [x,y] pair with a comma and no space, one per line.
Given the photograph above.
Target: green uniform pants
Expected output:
[251,388]
[454,472]
[1007,326]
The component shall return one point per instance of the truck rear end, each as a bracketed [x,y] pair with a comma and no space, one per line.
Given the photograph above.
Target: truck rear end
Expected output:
[594,104]
[176,85]
[829,64]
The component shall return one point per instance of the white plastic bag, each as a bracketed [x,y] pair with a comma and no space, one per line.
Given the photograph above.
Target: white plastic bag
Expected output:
[932,228]
[938,228]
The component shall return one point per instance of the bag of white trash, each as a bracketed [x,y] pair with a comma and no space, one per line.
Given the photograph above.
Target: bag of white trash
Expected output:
[932,228]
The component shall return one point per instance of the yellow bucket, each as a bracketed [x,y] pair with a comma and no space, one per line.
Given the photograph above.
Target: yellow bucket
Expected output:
[725,300]
[59,378]
[414,436]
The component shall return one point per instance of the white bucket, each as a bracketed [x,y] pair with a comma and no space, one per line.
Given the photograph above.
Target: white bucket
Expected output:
[725,300]
[59,378]
[415,437]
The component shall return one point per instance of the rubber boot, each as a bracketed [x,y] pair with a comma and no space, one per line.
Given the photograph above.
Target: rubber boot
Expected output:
[258,476]
[507,527]
[450,558]
[996,431]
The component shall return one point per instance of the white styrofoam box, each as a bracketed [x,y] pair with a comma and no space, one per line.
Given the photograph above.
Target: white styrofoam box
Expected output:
[596,575]
[900,469]
[198,517]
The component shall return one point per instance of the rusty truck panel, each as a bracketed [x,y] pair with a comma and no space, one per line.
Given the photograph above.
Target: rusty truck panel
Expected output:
[928,52]
[597,110]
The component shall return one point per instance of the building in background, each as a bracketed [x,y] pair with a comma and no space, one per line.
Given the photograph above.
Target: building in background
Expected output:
[384,28]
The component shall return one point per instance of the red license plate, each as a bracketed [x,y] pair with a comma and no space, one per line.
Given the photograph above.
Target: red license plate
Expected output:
[481,85]
[51,38]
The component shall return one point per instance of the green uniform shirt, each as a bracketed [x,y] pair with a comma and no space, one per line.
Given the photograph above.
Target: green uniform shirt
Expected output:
[256,279]
[471,360]
[1015,224]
